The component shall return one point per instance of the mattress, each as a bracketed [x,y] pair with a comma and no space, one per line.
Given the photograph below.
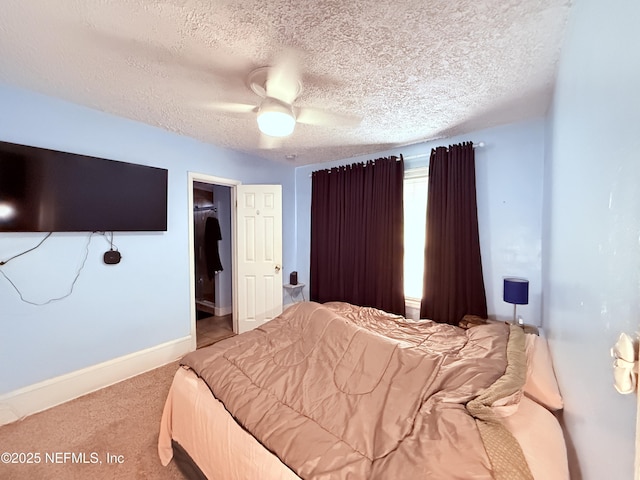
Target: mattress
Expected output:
[223,450]
[216,441]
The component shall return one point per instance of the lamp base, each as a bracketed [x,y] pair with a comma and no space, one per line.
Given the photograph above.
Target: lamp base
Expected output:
[517,320]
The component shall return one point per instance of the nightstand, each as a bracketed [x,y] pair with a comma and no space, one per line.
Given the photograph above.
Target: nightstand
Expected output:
[295,291]
[469,321]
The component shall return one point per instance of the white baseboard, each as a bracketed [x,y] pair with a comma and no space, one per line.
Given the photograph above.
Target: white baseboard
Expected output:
[222,311]
[54,391]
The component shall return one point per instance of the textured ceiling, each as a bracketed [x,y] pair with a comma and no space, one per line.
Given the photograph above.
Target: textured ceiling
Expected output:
[413,70]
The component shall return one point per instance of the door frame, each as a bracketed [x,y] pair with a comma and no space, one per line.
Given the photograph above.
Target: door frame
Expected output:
[225,182]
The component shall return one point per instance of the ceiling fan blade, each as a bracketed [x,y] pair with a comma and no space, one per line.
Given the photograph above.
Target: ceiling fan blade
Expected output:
[212,63]
[283,79]
[269,143]
[317,116]
[231,107]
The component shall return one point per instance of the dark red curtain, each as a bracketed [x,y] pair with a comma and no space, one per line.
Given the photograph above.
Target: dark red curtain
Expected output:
[453,283]
[357,235]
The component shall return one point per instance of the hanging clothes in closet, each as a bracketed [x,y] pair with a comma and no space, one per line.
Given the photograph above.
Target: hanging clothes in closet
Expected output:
[212,235]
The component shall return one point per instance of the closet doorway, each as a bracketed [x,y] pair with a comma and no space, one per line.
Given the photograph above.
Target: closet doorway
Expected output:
[212,243]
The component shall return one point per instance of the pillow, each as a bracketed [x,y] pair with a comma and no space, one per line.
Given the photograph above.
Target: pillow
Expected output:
[507,406]
[541,439]
[541,384]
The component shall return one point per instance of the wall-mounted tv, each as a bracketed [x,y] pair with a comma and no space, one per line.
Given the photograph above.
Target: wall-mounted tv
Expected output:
[45,190]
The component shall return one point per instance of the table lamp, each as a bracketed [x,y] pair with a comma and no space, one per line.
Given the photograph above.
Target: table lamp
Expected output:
[516,291]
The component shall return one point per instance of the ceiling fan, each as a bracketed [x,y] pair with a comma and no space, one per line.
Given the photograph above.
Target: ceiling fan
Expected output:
[278,87]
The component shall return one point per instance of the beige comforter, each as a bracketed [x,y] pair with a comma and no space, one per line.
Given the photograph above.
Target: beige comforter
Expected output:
[338,391]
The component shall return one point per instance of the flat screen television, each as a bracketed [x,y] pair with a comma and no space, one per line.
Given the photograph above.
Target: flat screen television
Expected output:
[45,190]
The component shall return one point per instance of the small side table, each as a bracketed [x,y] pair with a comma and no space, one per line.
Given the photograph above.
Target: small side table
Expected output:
[469,321]
[295,291]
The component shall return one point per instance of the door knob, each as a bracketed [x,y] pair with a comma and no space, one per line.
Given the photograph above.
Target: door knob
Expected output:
[277,268]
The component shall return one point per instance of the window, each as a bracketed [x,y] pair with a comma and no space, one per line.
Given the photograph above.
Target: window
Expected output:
[415,217]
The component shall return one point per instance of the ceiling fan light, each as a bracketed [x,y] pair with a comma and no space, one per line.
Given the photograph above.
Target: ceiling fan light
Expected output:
[276,118]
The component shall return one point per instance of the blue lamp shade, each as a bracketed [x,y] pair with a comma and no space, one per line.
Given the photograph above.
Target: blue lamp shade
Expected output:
[516,291]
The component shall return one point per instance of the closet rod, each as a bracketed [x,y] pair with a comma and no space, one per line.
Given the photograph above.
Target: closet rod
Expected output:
[204,209]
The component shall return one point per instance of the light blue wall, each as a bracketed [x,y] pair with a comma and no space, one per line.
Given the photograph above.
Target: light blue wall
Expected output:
[592,229]
[509,176]
[113,310]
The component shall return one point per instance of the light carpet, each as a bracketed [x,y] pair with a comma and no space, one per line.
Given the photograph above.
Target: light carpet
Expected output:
[108,434]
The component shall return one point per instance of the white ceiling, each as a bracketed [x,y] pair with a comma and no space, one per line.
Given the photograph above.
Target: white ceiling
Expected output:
[413,70]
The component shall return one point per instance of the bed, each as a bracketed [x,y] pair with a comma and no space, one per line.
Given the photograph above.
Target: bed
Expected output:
[337,391]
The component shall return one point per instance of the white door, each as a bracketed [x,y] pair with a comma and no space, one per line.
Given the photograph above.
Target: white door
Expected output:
[259,253]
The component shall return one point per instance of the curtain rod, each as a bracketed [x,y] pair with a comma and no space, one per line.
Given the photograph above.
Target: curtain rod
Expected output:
[422,155]
[398,158]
